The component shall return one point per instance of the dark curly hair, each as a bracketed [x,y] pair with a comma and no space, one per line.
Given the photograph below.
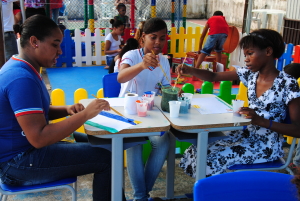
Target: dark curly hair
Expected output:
[120,5]
[116,23]
[293,69]
[154,25]
[131,44]
[263,38]
[39,26]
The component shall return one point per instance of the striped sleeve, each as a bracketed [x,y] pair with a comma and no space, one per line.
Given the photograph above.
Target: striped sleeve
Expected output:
[29,111]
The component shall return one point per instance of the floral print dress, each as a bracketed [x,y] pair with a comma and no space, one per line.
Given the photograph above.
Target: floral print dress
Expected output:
[254,144]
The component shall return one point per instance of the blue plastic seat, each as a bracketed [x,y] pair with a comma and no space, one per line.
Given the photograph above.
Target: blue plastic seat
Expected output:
[246,186]
[111,86]
[6,190]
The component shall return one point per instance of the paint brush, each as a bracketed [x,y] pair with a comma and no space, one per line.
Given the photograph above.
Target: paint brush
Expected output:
[178,73]
[162,69]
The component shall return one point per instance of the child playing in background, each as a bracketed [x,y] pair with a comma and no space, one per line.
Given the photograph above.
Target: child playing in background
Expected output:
[218,32]
[121,8]
[136,77]
[131,44]
[270,94]
[113,41]
[293,69]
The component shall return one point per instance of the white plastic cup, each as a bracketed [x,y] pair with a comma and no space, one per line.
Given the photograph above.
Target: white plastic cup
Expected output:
[174,108]
[236,105]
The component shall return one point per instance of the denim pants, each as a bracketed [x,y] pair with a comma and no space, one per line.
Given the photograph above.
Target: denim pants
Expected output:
[58,161]
[109,59]
[142,177]
[10,44]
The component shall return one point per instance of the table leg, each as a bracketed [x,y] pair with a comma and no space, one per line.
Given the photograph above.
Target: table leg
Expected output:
[264,20]
[117,168]
[171,167]
[201,155]
[280,19]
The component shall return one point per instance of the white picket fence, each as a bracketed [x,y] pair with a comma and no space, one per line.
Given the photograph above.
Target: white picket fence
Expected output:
[90,56]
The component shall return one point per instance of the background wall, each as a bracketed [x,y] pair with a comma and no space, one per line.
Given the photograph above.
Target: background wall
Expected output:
[233,9]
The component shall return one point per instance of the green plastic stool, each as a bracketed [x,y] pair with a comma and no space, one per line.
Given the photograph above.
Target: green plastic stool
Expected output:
[207,88]
[188,88]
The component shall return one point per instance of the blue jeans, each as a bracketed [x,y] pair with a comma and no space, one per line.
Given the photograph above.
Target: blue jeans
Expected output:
[216,42]
[109,59]
[142,177]
[55,13]
[58,161]
[10,44]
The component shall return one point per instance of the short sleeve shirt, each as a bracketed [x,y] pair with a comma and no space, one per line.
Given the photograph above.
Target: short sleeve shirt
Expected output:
[22,92]
[115,44]
[217,25]
[274,102]
[146,80]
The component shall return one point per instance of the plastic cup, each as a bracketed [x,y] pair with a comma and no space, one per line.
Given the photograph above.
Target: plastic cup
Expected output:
[236,105]
[174,108]
[189,96]
[184,105]
[141,106]
[149,96]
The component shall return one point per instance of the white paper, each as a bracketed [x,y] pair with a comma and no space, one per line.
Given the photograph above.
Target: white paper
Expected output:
[108,122]
[211,105]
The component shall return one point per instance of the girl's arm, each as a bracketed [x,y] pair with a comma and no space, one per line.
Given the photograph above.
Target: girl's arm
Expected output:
[40,134]
[107,46]
[126,73]
[292,129]
[207,75]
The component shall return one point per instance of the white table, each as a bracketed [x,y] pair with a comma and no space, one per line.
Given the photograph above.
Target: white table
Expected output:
[152,124]
[265,14]
[194,122]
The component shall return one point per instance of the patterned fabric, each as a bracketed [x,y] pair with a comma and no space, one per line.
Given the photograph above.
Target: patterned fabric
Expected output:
[35,3]
[255,144]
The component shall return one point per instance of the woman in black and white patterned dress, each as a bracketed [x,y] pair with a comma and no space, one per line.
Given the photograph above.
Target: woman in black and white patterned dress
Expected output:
[271,93]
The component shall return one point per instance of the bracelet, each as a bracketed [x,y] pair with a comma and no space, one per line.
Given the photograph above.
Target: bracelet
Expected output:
[270,124]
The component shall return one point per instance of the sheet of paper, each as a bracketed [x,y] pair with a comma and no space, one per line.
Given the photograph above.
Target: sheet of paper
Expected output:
[106,123]
[211,105]
[115,101]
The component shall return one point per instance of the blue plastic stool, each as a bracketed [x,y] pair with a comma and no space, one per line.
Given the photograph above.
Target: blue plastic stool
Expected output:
[6,190]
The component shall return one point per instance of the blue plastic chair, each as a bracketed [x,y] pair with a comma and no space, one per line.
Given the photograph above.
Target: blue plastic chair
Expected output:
[6,190]
[111,86]
[246,186]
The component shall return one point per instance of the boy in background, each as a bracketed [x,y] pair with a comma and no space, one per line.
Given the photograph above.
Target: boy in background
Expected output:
[218,32]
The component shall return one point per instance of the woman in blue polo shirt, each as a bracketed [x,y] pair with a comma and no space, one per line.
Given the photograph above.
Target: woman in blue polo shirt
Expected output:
[31,151]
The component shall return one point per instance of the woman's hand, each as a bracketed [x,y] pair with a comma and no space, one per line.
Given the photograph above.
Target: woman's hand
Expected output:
[73,109]
[182,69]
[95,107]
[251,114]
[150,60]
